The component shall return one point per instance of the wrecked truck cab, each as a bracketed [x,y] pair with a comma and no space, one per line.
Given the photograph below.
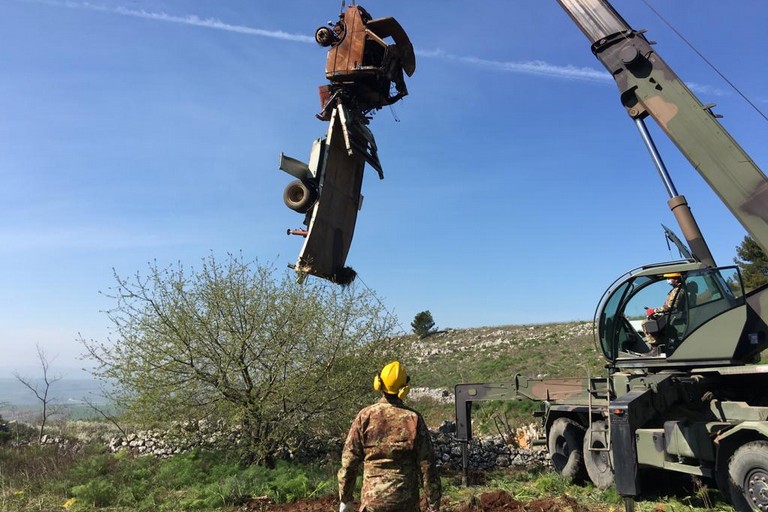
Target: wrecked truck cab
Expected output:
[362,67]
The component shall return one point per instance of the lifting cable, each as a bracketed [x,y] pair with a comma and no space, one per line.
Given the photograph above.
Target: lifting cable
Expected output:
[714,68]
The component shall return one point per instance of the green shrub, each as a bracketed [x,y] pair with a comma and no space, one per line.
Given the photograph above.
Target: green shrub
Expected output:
[186,470]
[98,492]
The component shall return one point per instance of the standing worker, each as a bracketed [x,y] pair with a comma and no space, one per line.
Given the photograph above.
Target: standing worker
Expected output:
[393,444]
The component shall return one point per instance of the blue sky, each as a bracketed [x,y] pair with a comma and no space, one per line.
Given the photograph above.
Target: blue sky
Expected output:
[516,189]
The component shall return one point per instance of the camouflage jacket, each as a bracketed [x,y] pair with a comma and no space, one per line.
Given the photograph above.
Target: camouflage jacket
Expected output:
[674,300]
[393,444]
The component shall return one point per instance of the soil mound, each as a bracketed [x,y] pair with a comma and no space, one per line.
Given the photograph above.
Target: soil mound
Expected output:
[503,501]
[327,503]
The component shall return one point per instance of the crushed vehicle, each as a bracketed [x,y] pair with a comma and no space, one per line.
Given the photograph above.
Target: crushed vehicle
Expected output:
[365,73]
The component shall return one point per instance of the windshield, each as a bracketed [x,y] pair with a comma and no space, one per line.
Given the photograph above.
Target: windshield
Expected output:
[662,310]
[616,332]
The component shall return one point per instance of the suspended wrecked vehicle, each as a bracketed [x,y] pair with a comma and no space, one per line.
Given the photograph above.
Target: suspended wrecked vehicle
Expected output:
[365,74]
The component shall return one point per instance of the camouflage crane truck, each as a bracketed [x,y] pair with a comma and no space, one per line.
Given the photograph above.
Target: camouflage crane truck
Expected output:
[697,403]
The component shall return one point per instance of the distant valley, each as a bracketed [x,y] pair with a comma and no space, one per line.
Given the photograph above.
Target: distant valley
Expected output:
[65,391]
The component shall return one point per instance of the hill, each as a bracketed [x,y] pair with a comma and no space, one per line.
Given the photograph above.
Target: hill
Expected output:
[493,354]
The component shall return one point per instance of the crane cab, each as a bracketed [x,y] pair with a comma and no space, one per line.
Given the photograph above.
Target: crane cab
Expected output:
[710,325]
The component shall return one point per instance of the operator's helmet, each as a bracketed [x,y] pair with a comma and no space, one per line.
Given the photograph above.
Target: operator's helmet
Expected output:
[673,277]
[392,380]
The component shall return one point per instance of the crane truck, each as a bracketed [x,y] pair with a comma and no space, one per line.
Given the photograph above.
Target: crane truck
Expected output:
[698,403]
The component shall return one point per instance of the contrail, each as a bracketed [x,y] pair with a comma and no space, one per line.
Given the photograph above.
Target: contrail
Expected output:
[536,67]
[191,20]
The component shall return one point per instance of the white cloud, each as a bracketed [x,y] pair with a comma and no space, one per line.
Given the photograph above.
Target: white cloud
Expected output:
[705,89]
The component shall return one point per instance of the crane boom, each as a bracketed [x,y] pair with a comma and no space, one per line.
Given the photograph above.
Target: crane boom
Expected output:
[650,88]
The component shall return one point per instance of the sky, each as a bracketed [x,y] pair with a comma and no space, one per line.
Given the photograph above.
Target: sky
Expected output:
[516,188]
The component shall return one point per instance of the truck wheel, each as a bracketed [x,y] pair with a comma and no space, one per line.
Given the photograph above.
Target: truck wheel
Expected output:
[565,444]
[324,36]
[299,196]
[748,477]
[598,460]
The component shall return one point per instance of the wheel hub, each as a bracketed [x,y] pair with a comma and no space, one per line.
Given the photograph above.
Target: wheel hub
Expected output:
[757,488]
[601,461]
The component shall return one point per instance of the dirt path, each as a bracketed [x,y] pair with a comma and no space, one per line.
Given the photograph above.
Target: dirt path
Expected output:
[488,502]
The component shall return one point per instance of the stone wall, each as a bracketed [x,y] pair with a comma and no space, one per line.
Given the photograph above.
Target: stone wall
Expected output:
[181,437]
[484,453]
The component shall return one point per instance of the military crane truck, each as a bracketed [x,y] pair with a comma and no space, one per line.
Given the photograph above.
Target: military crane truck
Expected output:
[699,405]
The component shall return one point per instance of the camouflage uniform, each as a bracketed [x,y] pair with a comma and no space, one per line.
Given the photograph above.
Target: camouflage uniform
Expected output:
[393,443]
[674,302]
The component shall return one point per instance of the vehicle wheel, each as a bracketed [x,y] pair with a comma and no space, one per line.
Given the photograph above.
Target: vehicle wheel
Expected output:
[565,444]
[599,463]
[722,481]
[748,477]
[299,196]
[324,36]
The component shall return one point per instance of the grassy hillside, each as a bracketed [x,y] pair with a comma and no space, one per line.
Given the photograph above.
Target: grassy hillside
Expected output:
[494,354]
[44,478]
[497,354]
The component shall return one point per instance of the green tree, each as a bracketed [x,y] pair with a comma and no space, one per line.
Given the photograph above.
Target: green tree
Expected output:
[233,341]
[423,324]
[753,263]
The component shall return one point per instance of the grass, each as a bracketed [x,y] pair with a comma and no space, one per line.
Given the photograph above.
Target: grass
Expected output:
[43,478]
[39,478]
[526,485]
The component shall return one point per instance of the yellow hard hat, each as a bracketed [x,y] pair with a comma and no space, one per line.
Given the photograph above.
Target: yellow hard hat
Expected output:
[673,275]
[393,380]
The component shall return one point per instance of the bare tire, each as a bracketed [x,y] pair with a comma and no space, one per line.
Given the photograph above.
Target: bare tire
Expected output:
[299,196]
[597,459]
[748,477]
[324,36]
[565,444]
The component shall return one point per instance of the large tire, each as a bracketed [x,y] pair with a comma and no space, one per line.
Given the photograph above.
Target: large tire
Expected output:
[748,477]
[599,462]
[325,37]
[565,444]
[299,196]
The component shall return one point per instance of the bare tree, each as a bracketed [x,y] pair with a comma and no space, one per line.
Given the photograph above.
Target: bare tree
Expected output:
[109,417]
[42,389]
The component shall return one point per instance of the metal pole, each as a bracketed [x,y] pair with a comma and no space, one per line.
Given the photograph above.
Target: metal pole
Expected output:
[656,158]
[464,461]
